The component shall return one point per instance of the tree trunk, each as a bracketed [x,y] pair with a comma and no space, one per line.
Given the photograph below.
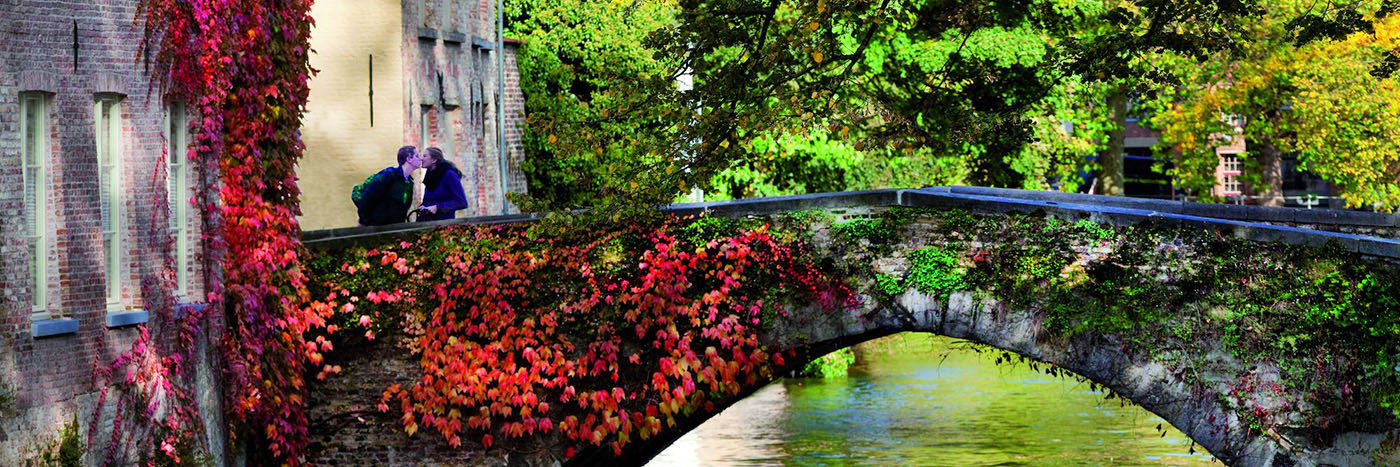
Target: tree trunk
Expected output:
[1270,173]
[1111,160]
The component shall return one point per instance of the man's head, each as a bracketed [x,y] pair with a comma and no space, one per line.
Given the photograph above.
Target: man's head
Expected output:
[407,153]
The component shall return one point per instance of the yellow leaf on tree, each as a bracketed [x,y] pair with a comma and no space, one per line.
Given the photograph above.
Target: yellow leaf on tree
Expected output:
[817,56]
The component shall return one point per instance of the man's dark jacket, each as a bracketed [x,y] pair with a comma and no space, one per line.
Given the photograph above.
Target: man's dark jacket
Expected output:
[384,197]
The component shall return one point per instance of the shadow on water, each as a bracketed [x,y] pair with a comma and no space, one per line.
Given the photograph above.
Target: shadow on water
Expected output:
[919,399]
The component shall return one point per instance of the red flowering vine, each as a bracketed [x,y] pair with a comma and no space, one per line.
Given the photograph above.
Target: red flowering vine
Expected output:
[242,66]
[603,336]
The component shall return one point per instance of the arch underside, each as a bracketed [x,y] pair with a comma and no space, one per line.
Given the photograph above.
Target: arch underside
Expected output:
[1193,409]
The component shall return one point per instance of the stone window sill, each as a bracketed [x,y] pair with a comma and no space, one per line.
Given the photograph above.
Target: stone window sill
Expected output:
[53,327]
[121,318]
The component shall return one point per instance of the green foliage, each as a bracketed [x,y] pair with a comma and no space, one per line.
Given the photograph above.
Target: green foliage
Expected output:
[1314,80]
[885,228]
[808,217]
[1041,263]
[599,100]
[1325,317]
[67,448]
[863,228]
[707,228]
[936,271]
[887,285]
[832,365]
[1094,230]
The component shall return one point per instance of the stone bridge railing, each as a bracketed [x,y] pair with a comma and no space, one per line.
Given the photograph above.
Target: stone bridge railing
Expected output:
[1369,233]
[1195,408]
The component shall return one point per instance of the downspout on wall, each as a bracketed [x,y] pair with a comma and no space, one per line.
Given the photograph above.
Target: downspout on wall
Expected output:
[501,101]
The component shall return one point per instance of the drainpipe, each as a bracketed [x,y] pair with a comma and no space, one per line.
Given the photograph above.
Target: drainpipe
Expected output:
[501,99]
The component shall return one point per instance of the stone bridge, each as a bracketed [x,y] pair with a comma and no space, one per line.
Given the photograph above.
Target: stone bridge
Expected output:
[1268,336]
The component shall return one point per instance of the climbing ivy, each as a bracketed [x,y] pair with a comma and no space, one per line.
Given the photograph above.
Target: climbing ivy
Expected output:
[242,68]
[605,334]
[935,270]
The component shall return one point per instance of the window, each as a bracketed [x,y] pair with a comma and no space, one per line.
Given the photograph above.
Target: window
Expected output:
[1232,184]
[34,130]
[424,127]
[177,178]
[1230,171]
[1230,163]
[107,123]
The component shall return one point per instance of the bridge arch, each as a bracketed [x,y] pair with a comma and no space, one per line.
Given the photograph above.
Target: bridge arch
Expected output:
[918,398]
[1062,286]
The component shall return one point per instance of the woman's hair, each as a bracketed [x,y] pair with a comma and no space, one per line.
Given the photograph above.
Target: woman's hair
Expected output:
[440,167]
[405,153]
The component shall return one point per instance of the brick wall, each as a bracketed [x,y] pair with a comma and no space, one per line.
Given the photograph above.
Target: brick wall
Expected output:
[53,374]
[450,80]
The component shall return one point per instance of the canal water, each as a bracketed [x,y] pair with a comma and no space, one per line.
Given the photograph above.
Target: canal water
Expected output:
[919,399]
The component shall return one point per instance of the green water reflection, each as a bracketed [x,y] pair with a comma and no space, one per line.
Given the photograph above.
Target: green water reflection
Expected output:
[918,399]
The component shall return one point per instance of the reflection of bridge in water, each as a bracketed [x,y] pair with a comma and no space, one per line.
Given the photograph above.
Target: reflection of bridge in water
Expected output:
[919,399]
[1211,408]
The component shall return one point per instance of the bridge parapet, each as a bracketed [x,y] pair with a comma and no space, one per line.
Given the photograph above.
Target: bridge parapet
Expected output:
[1368,233]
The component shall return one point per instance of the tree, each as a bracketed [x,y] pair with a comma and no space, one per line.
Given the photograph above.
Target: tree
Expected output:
[1118,48]
[596,96]
[1312,79]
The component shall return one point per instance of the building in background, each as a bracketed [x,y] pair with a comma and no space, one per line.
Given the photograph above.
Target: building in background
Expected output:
[1300,189]
[407,72]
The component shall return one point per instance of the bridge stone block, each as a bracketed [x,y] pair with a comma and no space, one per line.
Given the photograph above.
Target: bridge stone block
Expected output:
[926,310]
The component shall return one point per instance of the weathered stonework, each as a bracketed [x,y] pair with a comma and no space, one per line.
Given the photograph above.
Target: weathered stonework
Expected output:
[1199,407]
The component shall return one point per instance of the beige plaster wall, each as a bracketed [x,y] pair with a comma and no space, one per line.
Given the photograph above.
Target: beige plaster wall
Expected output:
[341,146]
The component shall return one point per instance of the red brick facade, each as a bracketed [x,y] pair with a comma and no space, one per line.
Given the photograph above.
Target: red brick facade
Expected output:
[451,85]
[48,356]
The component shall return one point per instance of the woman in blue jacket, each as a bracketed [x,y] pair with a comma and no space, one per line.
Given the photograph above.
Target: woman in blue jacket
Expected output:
[442,188]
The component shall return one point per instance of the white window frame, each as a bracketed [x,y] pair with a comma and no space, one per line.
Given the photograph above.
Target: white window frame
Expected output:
[107,129]
[1230,163]
[424,127]
[34,150]
[176,128]
[1230,174]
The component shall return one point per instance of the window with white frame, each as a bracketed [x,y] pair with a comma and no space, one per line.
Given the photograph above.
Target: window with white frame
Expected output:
[1230,172]
[177,186]
[1230,163]
[34,130]
[107,122]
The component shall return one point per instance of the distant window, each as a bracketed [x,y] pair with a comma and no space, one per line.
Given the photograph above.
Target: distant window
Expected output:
[177,178]
[107,122]
[1230,163]
[34,130]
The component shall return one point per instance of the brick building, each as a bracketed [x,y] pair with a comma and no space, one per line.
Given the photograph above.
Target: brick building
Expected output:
[407,72]
[1141,181]
[91,211]
[93,206]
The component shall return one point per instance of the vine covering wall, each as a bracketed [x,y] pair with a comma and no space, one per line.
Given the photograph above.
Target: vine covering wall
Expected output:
[603,335]
[242,68]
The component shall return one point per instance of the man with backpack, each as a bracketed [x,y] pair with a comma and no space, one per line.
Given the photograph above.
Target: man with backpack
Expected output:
[384,197]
